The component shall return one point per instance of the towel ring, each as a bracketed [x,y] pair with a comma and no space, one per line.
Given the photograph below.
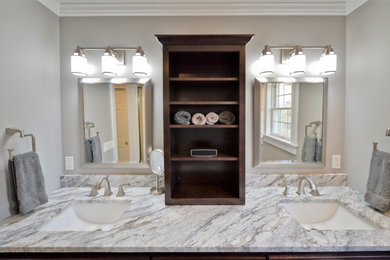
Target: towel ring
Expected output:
[12,131]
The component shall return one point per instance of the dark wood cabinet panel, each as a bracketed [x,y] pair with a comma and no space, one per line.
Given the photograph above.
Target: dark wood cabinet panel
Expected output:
[331,256]
[205,256]
[202,74]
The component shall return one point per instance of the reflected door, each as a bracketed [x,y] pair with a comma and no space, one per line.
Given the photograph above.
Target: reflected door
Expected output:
[121,108]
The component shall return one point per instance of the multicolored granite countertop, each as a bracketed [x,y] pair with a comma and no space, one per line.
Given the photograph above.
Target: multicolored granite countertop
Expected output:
[148,225]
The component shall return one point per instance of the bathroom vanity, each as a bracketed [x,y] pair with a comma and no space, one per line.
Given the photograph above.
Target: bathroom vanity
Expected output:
[149,229]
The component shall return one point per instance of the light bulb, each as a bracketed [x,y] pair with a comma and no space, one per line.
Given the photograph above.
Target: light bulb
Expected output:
[328,64]
[109,63]
[78,63]
[297,62]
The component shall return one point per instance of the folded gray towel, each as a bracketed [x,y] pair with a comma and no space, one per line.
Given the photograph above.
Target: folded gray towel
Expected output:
[88,151]
[318,155]
[309,149]
[96,149]
[13,204]
[29,181]
[182,118]
[378,185]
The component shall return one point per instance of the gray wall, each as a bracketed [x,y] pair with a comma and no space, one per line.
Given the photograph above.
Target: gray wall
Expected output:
[131,31]
[30,89]
[97,110]
[310,109]
[368,88]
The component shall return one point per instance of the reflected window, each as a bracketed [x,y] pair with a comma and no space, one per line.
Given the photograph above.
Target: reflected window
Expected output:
[282,110]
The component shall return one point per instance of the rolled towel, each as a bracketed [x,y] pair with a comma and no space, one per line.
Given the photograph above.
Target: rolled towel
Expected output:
[227,118]
[198,119]
[182,118]
[212,118]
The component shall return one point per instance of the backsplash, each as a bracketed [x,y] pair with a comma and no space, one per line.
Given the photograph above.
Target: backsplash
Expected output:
[252,180]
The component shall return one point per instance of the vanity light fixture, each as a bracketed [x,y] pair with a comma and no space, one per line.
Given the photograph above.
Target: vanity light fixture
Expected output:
[297,60]
[78,63]
[112,57]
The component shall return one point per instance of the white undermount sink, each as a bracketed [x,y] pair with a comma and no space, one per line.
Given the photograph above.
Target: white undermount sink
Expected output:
[329,215]
[88,215]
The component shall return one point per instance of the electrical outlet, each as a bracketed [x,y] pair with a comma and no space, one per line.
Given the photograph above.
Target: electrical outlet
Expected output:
[69,166]
[336,161]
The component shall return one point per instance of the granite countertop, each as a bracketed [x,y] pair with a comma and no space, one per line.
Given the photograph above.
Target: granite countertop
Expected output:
[148,225]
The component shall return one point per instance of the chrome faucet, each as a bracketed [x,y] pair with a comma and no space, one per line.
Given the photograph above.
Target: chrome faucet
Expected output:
[107,190]
[301,187]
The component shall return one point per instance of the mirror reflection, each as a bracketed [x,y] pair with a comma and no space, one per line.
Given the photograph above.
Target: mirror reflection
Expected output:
[291,122]
[112,123]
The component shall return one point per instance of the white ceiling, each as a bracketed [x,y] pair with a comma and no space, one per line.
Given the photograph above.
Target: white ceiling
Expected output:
[65,8]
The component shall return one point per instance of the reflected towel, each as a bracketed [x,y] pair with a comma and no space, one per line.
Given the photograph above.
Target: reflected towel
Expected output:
[30,183]
[378,184]
[309,149]
[318,155]
[88,151]
[96,149]
[13,203]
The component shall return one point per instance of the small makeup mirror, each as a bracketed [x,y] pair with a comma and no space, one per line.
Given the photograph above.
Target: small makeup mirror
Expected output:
[156,165]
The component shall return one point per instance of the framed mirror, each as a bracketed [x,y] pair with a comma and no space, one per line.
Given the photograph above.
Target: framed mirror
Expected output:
[290,122]
[116,122]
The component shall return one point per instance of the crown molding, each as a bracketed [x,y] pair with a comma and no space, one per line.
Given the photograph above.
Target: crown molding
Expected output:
[52,5]
[352,5]
[82,8]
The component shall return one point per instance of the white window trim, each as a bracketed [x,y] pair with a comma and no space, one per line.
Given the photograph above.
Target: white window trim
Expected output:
[281,144]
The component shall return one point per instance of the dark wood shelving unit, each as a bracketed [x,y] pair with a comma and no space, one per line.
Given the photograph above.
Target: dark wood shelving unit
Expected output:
[202,74]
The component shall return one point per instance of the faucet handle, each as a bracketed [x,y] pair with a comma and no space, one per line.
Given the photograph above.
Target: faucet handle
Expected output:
[93,192]
[287,191]
[121,192]
[315,192]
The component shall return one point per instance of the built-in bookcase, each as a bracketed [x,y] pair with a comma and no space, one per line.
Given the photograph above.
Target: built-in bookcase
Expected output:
[204,73]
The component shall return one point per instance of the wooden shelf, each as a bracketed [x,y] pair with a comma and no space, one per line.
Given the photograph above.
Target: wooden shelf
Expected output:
[220,157]
[203,126]
[188,103]
[204,79]
[201,191]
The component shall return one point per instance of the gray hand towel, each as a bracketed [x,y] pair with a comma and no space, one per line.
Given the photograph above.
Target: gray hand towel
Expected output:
[309,149]
[88,151]
[29,181]
[378,185]
[13,204]
[318,156]
[96,149]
